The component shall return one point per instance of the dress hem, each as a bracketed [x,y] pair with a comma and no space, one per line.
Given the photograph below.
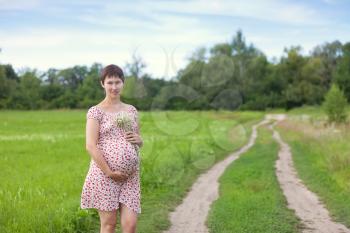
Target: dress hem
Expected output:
[115,208]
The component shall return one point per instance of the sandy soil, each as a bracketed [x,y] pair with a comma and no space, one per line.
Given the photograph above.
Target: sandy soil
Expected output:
[191,215]
[314,216]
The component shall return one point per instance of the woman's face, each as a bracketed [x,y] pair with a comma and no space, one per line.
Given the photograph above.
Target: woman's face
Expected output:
[113,86]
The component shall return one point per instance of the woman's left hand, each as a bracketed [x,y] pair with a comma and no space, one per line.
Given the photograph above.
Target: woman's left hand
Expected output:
[133,138]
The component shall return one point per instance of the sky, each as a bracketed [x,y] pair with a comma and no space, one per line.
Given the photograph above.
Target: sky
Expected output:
[40,34]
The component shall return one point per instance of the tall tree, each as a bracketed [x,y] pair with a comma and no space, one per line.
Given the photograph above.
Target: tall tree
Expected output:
[72,78]
[221,49]
[27,94]
[342,72]
[290,69]
[91,91]
[136,67]
[329,54]
[8,83]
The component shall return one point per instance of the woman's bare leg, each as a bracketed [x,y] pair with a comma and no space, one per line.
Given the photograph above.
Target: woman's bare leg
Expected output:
[108,221]
[128,219]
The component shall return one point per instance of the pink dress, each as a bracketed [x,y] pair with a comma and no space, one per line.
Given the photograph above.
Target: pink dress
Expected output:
[99,191]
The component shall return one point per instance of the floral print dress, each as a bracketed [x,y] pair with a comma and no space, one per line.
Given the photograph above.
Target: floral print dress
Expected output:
[99,191]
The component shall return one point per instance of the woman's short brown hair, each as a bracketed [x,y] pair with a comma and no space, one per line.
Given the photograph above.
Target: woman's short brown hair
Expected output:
[110,71]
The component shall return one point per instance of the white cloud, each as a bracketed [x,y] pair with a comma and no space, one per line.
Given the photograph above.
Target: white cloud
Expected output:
[269,10]
[332,2]
[278,11]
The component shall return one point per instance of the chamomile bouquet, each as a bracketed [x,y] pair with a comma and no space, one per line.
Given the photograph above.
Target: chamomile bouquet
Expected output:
[124,121]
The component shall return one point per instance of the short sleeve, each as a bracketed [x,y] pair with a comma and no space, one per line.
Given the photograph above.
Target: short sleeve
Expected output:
[94,113]
[136,117]
[134,112]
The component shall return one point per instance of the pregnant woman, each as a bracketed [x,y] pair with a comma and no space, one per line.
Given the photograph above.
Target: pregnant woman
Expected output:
[113,141]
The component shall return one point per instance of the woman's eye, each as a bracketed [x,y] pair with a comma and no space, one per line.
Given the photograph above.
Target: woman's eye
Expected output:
[111,83]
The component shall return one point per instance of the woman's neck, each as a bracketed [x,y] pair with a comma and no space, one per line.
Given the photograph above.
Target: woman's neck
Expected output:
[109,101]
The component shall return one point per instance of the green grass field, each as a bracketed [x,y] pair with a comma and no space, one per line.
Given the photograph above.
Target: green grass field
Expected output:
[43,165]
[250,197]
[321,155]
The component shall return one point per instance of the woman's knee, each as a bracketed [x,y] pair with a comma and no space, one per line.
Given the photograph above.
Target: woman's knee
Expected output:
[108,219]
[128,219]
[111,224]
[128,223]
[129,226]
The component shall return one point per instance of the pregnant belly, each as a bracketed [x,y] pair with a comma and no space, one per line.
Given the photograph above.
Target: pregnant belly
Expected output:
[121,155]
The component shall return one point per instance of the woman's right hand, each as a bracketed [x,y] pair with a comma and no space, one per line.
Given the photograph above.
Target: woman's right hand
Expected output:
[118,176]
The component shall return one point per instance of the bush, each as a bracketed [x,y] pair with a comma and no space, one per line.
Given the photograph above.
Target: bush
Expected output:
[335,105]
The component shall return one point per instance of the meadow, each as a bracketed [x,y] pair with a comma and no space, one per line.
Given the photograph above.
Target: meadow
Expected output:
[43,164]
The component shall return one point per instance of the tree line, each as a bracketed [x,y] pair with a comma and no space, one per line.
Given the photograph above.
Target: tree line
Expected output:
[231,75]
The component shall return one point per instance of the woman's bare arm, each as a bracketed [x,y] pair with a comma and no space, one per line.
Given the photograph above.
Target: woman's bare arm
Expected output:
[140,144]
[135,137]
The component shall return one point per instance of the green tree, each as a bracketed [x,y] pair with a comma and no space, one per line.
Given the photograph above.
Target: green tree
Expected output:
[329,54]
[50,77]
[335,105]
[191,75]
[27,93]
[72,78]
[315,86]
[91,91]
[8,85]
[342,72]
[49,94]
[254,83]
[247,62]
[136,67]
[221,49]
[290,69]
[152,87]
[175,96]
[216,76]
[274,86]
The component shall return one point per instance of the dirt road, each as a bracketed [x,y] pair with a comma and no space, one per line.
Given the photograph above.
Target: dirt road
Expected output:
[314,216]
[191,215]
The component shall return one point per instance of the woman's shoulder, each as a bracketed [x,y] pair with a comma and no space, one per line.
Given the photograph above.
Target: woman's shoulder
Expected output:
[94,108]
[94,112]
[131,107]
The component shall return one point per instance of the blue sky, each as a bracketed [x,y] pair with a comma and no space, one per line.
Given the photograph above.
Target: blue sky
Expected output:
[43,34]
